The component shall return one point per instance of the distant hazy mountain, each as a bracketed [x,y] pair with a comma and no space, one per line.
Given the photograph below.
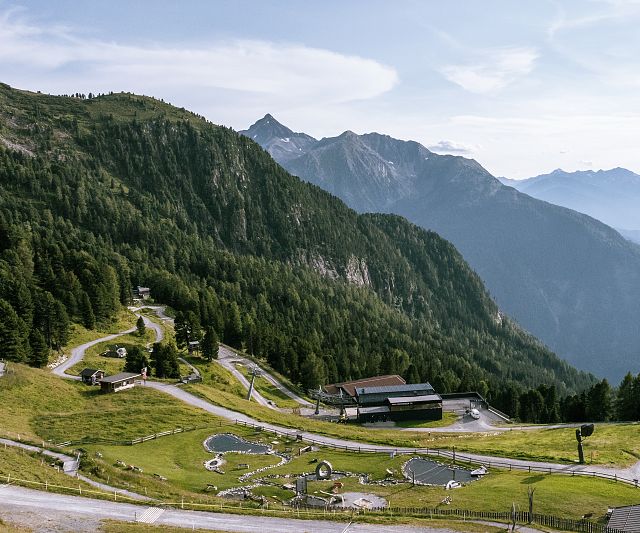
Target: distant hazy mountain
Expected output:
[569,279]
[612,196]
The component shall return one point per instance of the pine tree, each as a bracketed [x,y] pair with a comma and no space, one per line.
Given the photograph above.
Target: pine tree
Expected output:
[12,333]
[210,344]
[233,327]
[86,312]
[39,355]
[140,326]
[626,400]
[136,360]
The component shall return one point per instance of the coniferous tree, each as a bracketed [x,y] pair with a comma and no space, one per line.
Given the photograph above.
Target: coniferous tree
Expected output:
[12,333]
[233,326]
[210,344]
[164,359]
[140,327]
[626,400]
[136,360]
[86,312]
[39,355]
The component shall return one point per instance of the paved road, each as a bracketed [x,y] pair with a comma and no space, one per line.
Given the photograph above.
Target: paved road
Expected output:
[227,358]
[77,354]
[15,499]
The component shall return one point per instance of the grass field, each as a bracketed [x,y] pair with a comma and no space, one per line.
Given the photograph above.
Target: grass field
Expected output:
[18,463]
[38,405]
[111,365]
[217,377]
[612,444]
[268,390]
[180,458]
[123,321]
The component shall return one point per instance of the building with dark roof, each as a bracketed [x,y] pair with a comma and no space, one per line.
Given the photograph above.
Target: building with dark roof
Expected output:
[625,519]
[91,376]
[118,382]
[348,388]
[398,402]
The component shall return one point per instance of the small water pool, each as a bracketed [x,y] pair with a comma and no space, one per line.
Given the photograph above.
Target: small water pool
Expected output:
[432,473]
[226,442]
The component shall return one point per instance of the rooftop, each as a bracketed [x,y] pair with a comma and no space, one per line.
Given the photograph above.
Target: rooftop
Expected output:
[625,519]
[350,386]
[88,372]
[414,399]
[117,378]
[414,389]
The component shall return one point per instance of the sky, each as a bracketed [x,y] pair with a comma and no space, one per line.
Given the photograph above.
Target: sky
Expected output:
[522,87]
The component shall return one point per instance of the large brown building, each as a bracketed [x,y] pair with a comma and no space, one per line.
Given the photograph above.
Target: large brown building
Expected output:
[382,398]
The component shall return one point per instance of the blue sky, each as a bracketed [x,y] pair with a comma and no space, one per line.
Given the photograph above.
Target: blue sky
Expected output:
[523,87]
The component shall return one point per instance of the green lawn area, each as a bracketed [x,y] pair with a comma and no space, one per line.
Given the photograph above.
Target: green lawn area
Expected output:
[558,495]
[28,466]
[217,377]
[180,458]
[38,405]
[614,444]
[111,365]
[123,321]
[448,418]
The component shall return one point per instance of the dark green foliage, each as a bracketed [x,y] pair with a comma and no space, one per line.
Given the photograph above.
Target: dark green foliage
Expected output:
[187,328]
[140,327]
[164,360]
[225,236]
[39,355]
[136,360]
[86,312]
[13,334]
[210,344]
[628,399]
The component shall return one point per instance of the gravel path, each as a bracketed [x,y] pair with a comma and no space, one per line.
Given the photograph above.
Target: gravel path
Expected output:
[70,467]
[58,512]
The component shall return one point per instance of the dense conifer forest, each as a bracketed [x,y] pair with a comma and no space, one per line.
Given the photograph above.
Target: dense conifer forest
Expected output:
[100,194]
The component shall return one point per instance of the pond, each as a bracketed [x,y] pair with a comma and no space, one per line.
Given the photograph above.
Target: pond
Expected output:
[226,442]
[429,472]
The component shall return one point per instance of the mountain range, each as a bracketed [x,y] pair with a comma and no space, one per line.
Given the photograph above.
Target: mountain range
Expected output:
[97,194]
[611,196]
[566,277]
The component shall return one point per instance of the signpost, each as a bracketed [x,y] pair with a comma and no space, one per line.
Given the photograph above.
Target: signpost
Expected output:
[584,431]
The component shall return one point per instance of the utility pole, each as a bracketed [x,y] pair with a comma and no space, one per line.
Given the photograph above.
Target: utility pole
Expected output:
[254,372]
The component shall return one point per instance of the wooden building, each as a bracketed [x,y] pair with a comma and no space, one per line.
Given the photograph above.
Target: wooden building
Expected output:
[398,402]
[91,376]
[118,382]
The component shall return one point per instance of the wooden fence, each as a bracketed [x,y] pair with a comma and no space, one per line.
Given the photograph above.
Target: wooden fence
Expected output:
[445,454]
[138,440]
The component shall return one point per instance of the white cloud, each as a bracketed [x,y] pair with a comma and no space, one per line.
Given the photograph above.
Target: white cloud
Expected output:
[451,147]
[494,69]
[62,60]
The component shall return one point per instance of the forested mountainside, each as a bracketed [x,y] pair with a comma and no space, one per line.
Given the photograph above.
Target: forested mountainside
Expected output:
[569,279]
[98,194]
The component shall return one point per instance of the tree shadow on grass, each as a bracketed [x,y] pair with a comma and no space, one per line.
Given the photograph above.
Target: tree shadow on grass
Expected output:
[532,479]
